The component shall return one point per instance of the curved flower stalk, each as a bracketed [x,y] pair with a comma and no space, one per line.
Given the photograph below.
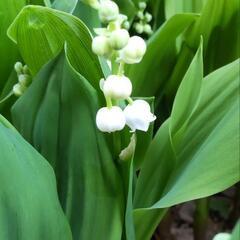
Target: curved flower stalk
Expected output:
[115,44]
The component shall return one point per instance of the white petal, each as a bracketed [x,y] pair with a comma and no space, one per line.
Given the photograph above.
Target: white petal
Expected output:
[138,115]
[110,119]
[117,87]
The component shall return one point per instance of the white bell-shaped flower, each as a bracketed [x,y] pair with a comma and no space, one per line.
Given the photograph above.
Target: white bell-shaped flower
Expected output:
[134,51]
[108,11]
[110,119]
[138,115]
[101,46]
[222,236]
[117,87]
[119,39]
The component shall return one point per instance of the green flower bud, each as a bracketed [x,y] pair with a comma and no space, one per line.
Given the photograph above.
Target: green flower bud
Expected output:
[147,29]
[24,79]
[92,3]
[108,11]
[140,15]
[18,89]
[18,67]
[25,69]
[142,5]
[126,25]
[148,17]
[101,46]
[119,39]
[139,28]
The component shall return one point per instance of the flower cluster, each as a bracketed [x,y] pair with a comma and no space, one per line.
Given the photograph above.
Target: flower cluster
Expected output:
[24,79]
[115,44]
[144,18]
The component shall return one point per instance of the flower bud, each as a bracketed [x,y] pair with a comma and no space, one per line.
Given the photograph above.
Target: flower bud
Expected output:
[110,119]
[108,11]
[126,25]
[18,89]
[92,3]
[18,67]
[138,115]
[119,39]
[142,5]
[101,46]
[147,29]
[117,87]
[222,236]
[24,79]
[140,14]
[134,51]
[139,28]
[148,17]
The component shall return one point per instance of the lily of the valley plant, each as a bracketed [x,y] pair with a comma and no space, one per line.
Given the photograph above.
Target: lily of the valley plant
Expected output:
[112,112]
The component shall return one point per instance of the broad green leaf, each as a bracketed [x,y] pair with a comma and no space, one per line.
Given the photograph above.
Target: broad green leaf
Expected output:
[88,15]
[149,76]
[155,171]
[61,125]
[40,33]
[208,150]
[205,160]
[29,205]
[187,96]
[173,7]
[218,25]
[8,51]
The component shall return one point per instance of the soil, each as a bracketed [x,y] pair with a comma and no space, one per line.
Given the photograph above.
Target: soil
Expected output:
[223,213]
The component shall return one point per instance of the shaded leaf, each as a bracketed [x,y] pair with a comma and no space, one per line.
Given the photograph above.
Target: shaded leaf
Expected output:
[29,206]
[61,125]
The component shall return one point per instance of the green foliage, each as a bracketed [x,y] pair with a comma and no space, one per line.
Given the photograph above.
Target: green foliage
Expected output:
[29,207]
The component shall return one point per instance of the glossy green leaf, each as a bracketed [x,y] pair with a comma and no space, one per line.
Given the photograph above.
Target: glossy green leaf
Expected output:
[194,167]
[218,25]
[40,33]
[61,125]
[88,15]
[8,51]
[187,96]
[173,7]
[29,205]
[150,75]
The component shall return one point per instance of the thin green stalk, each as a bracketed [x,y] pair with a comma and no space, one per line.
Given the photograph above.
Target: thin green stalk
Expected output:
[6,98]
[201,219]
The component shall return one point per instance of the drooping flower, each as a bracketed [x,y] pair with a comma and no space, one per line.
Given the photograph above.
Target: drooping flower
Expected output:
[117,87]
[101,46]
[110,119]
[108,11]
[134,51]
[138,115]
[119,39]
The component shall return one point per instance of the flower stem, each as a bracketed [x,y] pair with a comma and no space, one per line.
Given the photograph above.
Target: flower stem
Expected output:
[121,68]
[130,101]
[108,101]
[7,97]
